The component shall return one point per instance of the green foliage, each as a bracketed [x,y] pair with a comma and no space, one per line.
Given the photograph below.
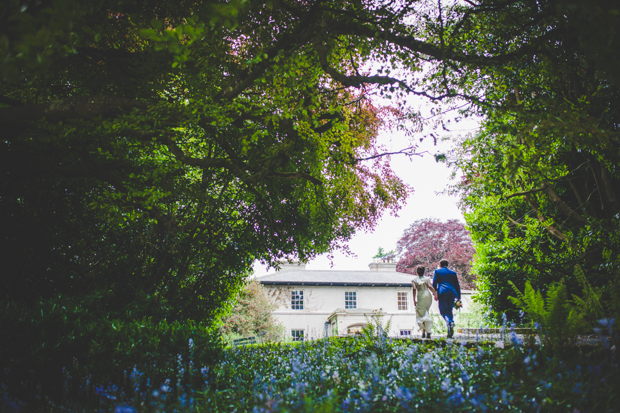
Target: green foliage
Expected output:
[251,314]
[539,180]
[590,304]
[559,319]
[439,325]
[477,316]
[381,253]
[59,339]
[342,374]
[153,150]
[376,327]
[370,375]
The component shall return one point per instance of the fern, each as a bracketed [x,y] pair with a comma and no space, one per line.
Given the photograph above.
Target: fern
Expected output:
[557,319]
[530,301]
[560,320]
[590,305]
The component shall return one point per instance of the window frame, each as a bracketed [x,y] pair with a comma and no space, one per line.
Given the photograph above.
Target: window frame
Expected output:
[300,336]
[297,299]
[350,300]
[402,300]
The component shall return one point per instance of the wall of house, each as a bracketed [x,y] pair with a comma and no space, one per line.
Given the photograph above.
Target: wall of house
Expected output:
[321,301]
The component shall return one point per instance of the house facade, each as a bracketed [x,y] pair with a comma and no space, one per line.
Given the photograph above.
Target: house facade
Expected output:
[314,304]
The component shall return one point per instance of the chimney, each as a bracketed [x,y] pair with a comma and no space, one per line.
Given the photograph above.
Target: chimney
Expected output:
[291,266]
[382,265]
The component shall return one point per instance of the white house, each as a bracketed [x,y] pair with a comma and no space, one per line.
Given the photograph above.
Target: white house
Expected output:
[314,304]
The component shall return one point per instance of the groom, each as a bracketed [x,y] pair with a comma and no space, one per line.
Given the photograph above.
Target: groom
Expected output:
[447,286]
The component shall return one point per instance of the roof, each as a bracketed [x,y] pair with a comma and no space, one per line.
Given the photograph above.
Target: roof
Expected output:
[337,278]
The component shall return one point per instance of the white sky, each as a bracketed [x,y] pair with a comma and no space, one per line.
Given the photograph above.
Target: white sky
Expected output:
[427,177]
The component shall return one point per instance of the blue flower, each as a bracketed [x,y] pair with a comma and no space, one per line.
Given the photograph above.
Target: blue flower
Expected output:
[445,384]
[125,409]
[457,398]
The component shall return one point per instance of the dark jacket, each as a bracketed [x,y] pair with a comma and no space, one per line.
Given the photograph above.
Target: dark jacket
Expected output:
[445,281]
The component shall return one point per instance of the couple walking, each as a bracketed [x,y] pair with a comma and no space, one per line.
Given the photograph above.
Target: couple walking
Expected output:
[445,288]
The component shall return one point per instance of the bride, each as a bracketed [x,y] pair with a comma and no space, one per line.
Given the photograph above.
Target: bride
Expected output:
[422,288]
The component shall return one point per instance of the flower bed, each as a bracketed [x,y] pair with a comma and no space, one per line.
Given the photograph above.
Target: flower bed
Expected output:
[362,374]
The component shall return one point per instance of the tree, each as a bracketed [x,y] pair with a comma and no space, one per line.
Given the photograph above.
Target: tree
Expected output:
[157,150]
[428,241]
[161,137]
[252,315]
[384,255]
[540,180]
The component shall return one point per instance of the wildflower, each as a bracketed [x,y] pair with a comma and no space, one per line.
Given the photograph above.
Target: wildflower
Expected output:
[457,398]
[125,409]
[515,340]
[445,384]
[505,396]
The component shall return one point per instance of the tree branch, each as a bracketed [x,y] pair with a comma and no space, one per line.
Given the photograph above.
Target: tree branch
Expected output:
[561,205]
[531,191]
[298,175]
[11,102]
[406,151]
[552,230]
[79,107]
[515,222]
[433,51]
[354,81]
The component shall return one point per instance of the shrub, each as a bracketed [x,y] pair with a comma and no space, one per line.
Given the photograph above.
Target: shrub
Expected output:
[61,352]
[252,315]
[558,318]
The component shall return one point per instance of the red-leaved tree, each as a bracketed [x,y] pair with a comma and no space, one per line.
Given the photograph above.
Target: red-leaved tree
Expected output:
[428,241]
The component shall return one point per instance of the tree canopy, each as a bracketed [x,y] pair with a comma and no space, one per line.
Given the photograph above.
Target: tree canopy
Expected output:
[540,180]
[154,150]
[428,241]
[160,150]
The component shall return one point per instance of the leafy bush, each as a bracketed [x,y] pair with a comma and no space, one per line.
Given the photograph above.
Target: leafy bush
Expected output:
[252,315]
[558,318]
[60,353]
[476,317]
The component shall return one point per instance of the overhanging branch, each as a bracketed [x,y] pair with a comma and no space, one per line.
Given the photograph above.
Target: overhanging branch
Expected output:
[79,107]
